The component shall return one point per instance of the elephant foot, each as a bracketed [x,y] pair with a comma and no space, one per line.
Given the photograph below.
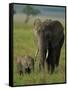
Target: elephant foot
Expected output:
[52,69]
[57,64]
[49,69]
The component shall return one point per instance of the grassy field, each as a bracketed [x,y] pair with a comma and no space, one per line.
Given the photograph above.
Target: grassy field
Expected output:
[23,44]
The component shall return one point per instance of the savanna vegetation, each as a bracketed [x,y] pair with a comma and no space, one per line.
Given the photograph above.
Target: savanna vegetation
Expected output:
[23,44]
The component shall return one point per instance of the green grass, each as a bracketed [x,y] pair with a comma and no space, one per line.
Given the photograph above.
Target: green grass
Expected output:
[23,44]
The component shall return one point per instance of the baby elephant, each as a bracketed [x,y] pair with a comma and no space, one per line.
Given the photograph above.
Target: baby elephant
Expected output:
[25,64]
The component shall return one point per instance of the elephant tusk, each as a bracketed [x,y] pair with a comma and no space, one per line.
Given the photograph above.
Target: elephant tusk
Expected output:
[36,53]
[47,54]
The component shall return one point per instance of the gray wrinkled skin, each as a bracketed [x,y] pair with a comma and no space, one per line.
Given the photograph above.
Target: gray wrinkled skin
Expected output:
[50,37]
[25,64]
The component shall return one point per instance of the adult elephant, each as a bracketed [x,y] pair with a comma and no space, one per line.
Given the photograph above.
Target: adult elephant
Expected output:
[50,36]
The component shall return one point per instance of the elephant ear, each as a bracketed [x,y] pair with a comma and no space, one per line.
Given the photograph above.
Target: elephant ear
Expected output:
[57,33]
[37,21]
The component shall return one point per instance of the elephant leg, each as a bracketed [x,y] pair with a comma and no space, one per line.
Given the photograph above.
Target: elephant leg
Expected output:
[42,64]
[19,69]
[58,51]
[48,60]
[33,65]
[53,59]
[42,61]
[48,63]
[52,67]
